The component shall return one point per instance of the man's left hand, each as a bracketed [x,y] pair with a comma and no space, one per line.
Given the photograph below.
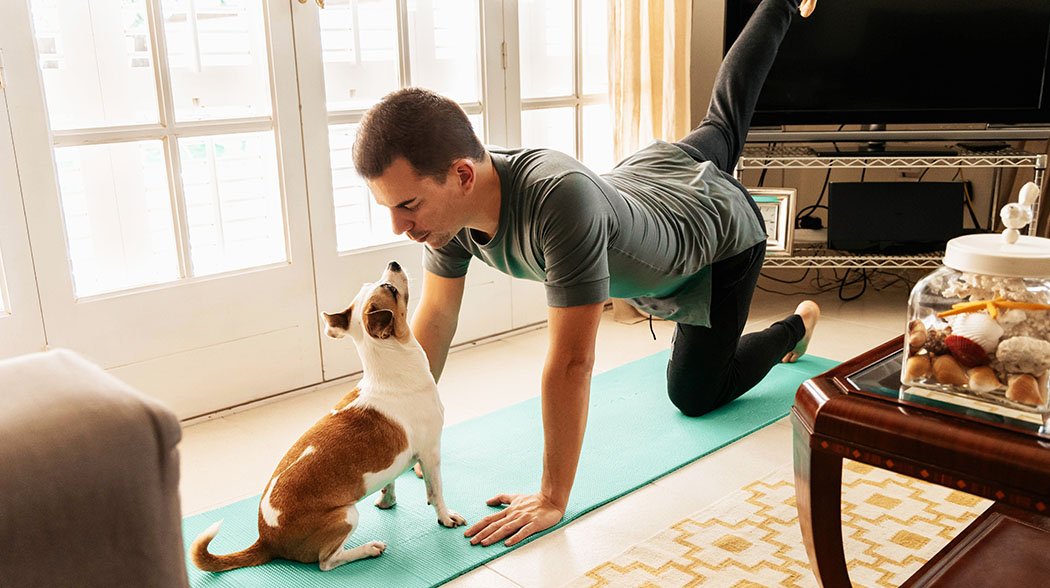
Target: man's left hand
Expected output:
[525,515]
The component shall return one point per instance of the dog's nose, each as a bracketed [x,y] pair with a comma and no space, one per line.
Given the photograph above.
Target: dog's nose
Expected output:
[393,266]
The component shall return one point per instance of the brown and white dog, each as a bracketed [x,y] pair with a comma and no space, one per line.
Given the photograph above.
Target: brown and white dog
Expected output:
[376,432]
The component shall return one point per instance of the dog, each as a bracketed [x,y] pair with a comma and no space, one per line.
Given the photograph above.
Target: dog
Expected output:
[375,433]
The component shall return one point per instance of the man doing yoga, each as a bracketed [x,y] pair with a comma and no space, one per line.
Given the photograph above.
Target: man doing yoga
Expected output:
[669,229]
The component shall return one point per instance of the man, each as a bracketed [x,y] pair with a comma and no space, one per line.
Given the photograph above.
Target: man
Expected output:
[669,229]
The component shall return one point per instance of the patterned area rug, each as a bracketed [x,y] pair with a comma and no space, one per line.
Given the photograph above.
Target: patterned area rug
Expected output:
[891,525]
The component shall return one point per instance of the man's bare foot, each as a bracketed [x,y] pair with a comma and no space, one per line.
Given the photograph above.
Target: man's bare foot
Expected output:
[806,7]
[810,314]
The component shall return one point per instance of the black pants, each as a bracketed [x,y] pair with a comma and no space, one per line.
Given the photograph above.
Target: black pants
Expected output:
[711,366]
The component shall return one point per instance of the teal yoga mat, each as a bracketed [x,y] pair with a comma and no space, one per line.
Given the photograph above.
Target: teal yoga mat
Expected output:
[634,435]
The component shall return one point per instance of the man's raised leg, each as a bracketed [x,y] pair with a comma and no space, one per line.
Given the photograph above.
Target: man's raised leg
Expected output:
[721,136]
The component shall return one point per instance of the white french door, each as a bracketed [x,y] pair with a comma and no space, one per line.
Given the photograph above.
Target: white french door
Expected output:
[174,247]
[21,326]
[350,54]
[182,170]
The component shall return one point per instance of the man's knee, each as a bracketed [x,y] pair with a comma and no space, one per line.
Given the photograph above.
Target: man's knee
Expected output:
[697,400]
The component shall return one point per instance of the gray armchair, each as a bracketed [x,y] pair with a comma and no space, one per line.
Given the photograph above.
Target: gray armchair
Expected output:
[89,475]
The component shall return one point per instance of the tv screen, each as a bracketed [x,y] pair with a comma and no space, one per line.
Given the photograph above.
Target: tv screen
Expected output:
[907,61]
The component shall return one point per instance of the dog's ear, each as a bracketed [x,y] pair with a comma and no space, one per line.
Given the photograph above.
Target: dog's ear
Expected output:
[336,325]
[379,322]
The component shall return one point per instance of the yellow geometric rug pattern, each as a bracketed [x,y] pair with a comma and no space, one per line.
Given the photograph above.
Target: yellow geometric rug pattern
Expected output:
[891,525]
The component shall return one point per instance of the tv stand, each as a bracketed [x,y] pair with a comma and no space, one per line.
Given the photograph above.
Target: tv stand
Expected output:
[865,152]
[774,135]
[778,156]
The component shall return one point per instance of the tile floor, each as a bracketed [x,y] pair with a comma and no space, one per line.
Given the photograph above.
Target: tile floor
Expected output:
[231,457]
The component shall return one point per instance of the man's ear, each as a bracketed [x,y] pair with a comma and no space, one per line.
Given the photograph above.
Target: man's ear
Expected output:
[379,322]
[336,325]
[466,171]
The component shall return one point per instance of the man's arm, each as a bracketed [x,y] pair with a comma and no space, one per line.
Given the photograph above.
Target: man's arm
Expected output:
[436,318]
[566,390]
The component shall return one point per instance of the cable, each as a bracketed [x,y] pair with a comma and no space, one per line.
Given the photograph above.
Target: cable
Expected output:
[863,280]
[768,277]
[877,280]
[807,211]
[969,202]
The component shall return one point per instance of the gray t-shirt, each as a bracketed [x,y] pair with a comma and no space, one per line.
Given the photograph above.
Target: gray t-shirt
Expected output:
[647,231]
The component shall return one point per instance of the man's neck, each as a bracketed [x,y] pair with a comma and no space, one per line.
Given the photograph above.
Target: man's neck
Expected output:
[488,199]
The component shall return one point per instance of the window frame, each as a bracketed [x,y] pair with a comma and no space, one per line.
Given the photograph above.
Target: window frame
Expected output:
[168,130]
[578,99]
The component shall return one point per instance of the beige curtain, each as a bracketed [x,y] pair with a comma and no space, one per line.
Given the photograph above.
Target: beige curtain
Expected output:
[649,71]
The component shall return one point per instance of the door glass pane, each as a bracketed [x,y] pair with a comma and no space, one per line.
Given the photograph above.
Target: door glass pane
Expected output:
[552,128]
[546,34]
[445,44]
[359,221]
[117,211]
[218,58]
[233,202]
[597,138]
[96,62]
[594,22]
[359,50]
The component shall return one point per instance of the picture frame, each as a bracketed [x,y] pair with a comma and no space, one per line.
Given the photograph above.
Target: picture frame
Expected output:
[777,206]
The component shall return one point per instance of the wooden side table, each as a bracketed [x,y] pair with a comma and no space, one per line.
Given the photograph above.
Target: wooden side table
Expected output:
[856,411]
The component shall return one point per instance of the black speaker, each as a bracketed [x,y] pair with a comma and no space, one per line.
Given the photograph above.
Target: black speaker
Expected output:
[894,217]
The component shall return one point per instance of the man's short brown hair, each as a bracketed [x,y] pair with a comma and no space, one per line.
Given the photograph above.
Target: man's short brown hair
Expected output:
[427,129]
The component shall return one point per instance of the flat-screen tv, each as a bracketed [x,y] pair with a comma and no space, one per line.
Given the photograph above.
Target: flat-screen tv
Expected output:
[907,61]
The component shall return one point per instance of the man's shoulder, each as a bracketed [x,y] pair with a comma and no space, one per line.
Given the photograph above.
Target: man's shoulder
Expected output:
[537,162]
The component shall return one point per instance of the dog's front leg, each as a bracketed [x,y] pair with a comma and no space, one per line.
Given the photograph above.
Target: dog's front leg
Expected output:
[386,497]
[432,477]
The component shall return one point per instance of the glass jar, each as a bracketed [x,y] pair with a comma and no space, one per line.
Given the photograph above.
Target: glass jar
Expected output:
[979,326]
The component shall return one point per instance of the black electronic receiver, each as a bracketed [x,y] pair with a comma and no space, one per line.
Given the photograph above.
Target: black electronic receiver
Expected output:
[983,147]
[894,217]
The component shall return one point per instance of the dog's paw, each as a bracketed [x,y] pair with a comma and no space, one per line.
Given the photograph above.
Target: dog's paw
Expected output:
[452,519]
[374,548]
[384,504]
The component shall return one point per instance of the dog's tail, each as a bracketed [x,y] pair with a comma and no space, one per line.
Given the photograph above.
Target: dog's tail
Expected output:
[255,555]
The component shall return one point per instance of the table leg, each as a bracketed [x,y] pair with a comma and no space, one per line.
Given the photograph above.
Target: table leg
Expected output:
[818,495]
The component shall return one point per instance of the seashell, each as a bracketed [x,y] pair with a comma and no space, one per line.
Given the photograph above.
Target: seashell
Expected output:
[948,371]
[983,379]
[918,368]
[1026,390]
[968,352]
[935,340]
[916,336]
[979,328]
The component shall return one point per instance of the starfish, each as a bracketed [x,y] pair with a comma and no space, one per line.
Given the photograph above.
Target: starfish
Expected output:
[992,306]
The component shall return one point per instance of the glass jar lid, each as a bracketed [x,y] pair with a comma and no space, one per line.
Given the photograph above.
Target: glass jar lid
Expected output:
[990,253]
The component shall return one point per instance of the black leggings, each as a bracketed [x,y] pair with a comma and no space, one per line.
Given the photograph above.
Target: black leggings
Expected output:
[711,366]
